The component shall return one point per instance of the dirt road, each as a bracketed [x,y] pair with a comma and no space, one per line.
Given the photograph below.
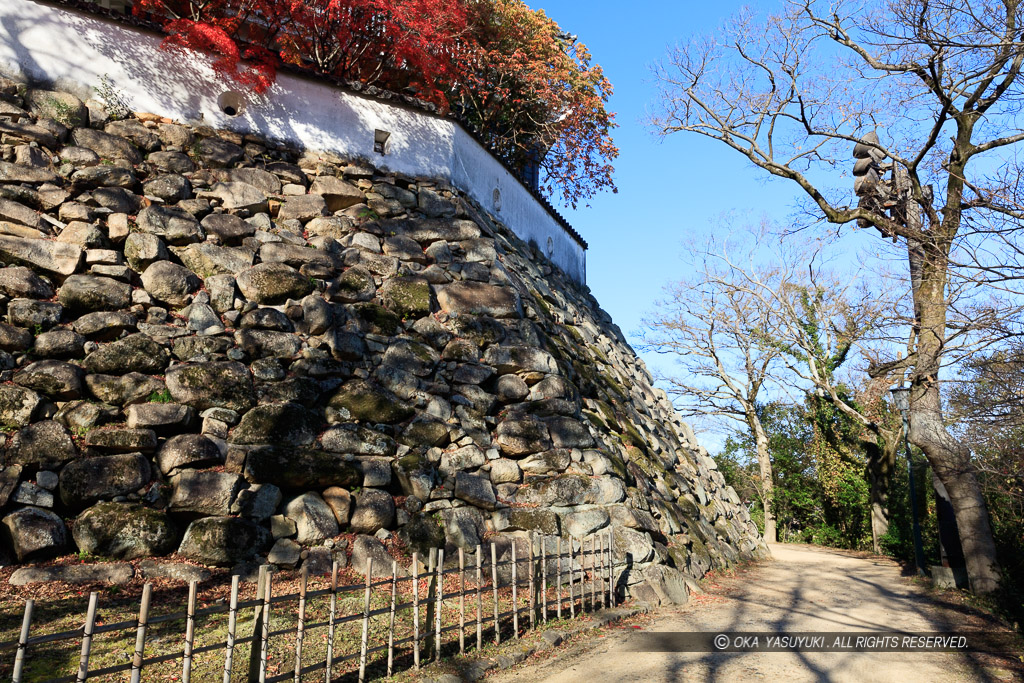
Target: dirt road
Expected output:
[803,589]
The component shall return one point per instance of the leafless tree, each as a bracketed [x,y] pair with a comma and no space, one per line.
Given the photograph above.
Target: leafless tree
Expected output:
[711,328]
[824,322]
[940,80]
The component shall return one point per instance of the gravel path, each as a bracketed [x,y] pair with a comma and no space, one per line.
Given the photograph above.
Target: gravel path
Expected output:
[804,588]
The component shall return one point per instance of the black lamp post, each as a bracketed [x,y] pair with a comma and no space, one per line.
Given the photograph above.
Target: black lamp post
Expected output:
[901,397]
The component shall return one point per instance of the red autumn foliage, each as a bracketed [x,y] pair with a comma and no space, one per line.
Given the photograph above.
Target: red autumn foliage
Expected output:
[507,70]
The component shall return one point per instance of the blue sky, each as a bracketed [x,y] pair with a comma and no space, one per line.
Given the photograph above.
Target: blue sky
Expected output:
[670,189]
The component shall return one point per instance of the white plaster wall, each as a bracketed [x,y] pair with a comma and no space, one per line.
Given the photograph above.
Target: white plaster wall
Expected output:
[478,174]
[74,50]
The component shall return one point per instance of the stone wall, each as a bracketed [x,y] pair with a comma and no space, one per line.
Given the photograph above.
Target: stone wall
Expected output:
[225,348]
[105,52]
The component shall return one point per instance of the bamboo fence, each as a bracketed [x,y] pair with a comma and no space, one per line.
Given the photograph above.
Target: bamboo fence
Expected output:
[445,597]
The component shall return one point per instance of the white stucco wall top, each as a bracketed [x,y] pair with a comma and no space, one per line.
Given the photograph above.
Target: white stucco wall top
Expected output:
[73,49]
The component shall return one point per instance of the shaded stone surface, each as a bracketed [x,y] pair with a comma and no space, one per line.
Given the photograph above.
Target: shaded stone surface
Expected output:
[35,533]
[89,480]
[124,531]
[223,541]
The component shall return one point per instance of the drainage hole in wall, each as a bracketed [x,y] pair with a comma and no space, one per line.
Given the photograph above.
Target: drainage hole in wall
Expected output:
[380,141]
[496,199]
[231,103]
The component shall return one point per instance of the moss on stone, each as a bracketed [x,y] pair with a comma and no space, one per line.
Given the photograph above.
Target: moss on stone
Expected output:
[124,531]
[632,435]
[422,533]
[380,319]
[609,415]
[678,557]
[534,519]
[370,403]
[478,329]
[424,433]
[353,282]
[618,465]
[595,420]
[649,465]
[575,334]
[409,297]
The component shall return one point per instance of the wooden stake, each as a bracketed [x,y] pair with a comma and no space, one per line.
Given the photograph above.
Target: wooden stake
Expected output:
[140,633]
[479,597]
[257,624]
[429,601]
[190,632]
[232,623]
[391,619]
[26,622]
[532,602]
[462,601]
[572,579]
[593,573]
[611,571]
[515,593]
[558,550]
[265,631]
[544,578]
[90,625]
[494,585]
[329,664]
[600,569]
[415,611]
[300,628]
[366,622]
[440,603]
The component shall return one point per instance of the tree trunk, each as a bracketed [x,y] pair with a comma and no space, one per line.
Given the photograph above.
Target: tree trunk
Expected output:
[951,463]
[880,464]
[950,460]
[767,477]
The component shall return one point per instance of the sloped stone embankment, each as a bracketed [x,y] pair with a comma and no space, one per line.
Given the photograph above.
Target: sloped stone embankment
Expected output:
[215,346]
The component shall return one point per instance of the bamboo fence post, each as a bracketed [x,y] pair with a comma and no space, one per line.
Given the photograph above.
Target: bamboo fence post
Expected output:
[257,624]
[572,579]
[611,570]
[544,578]
[329,663]
[300,627]
[593,573]
[232,623]
[265,627]
[190,633]
[415,611]
[462,601]
[533,587]
[428,618]
[515,593]
[366,621]
[90,625]
[440,604]
[494,586]
[479,598]
[26,623]
[140,633]
[600,569]
[583,576]
[558,550]
[604,575]
[391,619]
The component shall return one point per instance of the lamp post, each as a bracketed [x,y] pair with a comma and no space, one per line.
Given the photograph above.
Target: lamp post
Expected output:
[901,397]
